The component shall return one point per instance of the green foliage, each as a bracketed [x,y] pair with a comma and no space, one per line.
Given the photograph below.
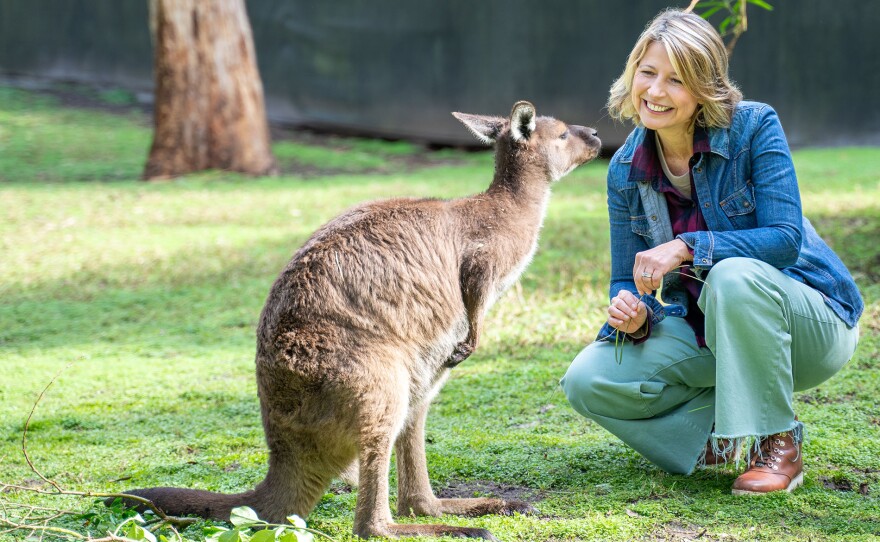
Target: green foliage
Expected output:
[152,292]
[732,10]
[101,519]
[734,21]
[247,527]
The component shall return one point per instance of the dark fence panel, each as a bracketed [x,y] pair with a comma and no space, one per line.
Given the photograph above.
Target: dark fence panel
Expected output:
[106,43]
[397,69]
[817,63]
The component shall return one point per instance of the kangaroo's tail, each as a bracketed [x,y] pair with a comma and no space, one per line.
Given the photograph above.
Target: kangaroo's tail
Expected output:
[191,502]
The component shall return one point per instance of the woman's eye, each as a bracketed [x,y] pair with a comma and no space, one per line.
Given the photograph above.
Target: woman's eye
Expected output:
[675,81]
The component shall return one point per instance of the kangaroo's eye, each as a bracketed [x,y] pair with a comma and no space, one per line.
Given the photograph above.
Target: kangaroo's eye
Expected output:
[564,135]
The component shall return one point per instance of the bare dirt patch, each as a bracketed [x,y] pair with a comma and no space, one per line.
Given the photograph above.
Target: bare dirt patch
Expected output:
[466,490]
[679,531]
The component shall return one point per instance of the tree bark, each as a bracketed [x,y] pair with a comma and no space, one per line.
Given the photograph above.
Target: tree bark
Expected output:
[209,109]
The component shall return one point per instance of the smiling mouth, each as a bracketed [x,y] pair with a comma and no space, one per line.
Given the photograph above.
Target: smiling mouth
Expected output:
[656,108]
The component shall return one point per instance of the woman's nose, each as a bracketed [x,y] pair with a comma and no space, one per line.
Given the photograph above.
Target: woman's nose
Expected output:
[656,89]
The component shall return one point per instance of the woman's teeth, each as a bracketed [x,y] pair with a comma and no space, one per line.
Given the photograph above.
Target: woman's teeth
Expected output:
[657,108]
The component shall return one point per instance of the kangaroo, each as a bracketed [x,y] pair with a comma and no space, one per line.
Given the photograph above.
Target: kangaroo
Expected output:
[361,328]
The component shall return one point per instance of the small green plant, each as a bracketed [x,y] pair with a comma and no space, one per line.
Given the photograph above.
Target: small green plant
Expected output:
[133,528]
[248,527]
[117,519]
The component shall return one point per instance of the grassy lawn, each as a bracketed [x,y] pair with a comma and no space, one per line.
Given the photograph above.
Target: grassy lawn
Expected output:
[147,297]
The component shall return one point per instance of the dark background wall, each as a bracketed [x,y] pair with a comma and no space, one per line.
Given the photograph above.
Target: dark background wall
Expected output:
[396,69]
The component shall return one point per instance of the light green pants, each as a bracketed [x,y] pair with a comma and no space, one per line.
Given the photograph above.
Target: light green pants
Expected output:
[767,336]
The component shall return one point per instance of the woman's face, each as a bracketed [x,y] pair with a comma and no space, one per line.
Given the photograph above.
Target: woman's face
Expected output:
[659,96]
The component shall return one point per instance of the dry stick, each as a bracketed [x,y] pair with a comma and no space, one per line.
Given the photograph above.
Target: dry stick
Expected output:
[30,511]
[42,528]
[27,424]
[24,527]
[45,528]
[32,507]
[163,518]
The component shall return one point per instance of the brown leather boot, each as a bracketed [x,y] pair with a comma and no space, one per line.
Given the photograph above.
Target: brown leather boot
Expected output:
[778,466]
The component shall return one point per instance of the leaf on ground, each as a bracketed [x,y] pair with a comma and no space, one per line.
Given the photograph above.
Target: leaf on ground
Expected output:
[244,516]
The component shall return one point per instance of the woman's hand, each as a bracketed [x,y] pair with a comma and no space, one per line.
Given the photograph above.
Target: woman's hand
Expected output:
[626,312]
[652,264]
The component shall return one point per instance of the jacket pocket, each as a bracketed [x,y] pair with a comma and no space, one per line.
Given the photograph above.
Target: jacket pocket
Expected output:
[739,208]
[741,202]
[640,226]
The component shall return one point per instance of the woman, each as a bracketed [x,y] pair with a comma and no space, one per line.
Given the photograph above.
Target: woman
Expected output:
[705,214]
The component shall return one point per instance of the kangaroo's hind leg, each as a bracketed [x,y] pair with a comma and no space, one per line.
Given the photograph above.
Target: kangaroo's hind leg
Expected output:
[301,468]
[383,413]
[305,454]
[414,494]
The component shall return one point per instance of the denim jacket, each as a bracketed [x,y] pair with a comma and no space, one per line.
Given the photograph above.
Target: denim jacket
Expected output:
[749,197]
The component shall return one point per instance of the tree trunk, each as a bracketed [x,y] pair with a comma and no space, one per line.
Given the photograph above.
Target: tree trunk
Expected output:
[209,110]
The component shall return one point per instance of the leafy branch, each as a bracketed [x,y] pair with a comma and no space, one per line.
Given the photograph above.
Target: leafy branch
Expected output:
[736,21]
[128,529]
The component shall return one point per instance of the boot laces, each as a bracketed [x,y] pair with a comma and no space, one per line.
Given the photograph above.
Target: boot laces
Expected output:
[774,453]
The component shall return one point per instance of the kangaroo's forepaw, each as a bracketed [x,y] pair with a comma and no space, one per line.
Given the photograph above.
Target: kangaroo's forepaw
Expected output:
[517,507]
[462,351]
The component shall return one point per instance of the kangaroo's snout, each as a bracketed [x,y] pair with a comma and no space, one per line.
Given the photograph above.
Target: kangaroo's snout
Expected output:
[589,135]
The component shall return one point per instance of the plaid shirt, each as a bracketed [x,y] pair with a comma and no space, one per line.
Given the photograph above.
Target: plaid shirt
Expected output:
[684,213]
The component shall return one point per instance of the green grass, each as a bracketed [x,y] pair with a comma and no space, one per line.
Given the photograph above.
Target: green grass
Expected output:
[148,295]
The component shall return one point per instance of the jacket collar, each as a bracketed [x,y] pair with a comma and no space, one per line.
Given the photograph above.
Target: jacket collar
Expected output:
[719,142]
[643,151]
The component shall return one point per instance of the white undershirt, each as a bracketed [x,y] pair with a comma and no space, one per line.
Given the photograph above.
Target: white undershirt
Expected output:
[682,183]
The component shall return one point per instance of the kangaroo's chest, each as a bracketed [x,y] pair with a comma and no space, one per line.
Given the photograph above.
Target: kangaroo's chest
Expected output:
[517,270]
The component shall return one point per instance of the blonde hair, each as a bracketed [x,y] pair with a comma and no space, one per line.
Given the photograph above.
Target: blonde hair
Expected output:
[698,56]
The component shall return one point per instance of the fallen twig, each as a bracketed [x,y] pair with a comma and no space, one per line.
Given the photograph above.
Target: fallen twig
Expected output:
[25,523]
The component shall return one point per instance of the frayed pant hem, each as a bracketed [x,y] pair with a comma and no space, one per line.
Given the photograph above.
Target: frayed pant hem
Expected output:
[750,442]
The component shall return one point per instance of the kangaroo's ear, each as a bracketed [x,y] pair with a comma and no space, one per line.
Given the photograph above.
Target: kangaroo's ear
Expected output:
[522,120]
[485,128]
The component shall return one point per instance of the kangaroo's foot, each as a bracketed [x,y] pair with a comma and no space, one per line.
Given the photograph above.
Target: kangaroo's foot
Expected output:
[462,507]
[483,507]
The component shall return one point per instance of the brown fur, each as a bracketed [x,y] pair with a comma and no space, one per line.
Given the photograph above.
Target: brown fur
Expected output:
[362,326]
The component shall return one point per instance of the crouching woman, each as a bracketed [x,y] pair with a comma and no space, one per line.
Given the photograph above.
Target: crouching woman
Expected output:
[705,214]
